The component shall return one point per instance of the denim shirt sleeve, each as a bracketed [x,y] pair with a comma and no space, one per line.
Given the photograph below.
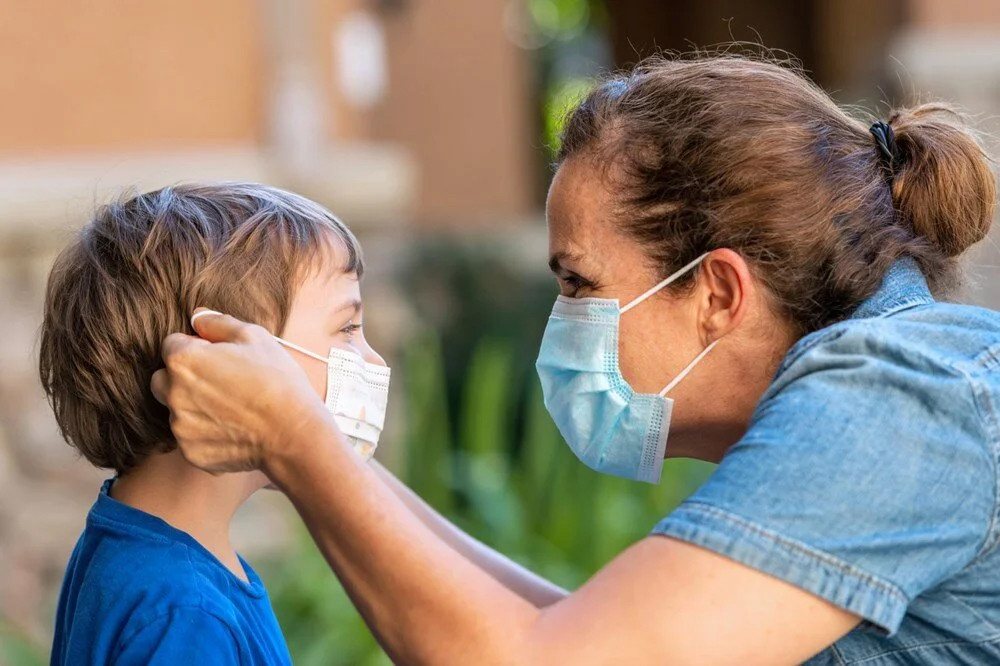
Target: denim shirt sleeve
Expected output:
[865,476]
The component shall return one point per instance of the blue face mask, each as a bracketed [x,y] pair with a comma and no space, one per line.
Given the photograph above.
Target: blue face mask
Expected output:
[611,428]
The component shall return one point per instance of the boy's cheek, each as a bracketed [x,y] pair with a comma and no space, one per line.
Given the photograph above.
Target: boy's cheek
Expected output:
[316,373]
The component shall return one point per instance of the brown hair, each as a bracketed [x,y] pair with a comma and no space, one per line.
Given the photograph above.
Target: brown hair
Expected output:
[728,151]
[135,273]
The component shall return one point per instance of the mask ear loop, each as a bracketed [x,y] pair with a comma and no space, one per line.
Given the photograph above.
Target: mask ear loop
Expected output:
[290,345]
[652,290]
[301,350]
[690,366]
[662,283]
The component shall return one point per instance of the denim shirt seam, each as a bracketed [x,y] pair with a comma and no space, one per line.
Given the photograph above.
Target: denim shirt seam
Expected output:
[988,420]
[835,651]
[989,358]
[907,649]
[980,616]
[899,303]
[803,549]
[807,343]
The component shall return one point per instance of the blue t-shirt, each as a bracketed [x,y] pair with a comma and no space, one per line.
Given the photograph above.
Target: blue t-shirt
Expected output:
[138,591]
[868,477]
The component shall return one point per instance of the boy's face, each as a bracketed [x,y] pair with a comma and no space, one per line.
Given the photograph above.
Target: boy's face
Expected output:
[326,312]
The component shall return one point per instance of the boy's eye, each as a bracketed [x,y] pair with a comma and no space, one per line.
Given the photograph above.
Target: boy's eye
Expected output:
[351,328]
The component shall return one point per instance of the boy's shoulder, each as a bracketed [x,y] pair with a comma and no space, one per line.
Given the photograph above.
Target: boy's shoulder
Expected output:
[134,584]
[149,572]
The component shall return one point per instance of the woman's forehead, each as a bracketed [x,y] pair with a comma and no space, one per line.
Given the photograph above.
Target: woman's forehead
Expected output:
[575,203]
[581,218]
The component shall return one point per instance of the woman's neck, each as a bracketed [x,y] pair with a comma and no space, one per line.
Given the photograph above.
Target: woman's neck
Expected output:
[189,499]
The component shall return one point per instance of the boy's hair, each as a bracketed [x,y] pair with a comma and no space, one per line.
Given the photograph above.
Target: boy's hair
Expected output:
[136,272]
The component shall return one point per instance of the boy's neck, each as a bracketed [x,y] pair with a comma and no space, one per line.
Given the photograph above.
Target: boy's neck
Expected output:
[189,499]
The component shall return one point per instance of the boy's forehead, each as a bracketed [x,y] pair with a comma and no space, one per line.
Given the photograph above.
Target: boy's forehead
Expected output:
[330,261]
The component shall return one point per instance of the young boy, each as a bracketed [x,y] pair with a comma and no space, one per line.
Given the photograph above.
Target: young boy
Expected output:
[154,578]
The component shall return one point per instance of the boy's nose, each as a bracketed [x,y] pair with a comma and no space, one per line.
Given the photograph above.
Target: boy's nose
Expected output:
[372,356]
[362,348]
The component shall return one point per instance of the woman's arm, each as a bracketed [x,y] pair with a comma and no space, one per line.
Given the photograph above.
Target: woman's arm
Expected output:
[243,404]
[526,584]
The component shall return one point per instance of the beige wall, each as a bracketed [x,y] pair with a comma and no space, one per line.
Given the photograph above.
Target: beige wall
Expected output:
[459,99]
[107,74]
[983,14]
[112,75]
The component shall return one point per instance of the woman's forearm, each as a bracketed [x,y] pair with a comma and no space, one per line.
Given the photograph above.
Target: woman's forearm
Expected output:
[528,585]
[241,403]
[425,602]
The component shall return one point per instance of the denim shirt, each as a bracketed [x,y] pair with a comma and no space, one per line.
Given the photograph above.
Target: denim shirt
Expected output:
[868,477]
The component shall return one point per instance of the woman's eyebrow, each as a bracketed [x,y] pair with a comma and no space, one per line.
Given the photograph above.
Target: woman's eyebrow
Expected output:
[557,258]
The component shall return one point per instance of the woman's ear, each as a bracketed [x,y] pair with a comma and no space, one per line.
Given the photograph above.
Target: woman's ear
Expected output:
[726,287]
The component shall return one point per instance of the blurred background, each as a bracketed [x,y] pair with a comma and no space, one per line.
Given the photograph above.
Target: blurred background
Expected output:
[429,127]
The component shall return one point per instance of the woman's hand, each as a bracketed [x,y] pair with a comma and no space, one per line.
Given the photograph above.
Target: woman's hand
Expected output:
[236,398]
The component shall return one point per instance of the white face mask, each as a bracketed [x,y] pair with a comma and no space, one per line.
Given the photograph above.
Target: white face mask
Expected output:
[357,393]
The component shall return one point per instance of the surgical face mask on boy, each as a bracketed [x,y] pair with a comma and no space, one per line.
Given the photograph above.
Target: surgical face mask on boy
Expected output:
[611,428]
[357,393]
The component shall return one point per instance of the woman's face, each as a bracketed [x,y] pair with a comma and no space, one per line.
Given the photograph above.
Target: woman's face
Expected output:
[326,312]
[591,255]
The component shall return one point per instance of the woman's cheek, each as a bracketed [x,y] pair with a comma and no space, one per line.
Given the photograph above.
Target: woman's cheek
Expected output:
[635,365]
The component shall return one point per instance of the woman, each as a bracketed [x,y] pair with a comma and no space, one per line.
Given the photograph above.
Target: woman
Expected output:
[731,206]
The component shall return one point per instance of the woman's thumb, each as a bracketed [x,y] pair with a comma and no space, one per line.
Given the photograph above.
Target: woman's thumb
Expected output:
[217,327]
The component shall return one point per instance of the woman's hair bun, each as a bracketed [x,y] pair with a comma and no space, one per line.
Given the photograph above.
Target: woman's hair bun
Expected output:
[943,186]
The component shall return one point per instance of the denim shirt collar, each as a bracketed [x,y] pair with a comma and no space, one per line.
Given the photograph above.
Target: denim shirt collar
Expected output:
[903,286]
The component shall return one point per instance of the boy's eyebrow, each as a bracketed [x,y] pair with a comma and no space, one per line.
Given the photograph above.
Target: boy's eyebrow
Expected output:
[353,304]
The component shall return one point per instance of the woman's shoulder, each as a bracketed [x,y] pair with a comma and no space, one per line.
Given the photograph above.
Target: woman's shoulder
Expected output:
[921,384]
[916,345]
[868,473]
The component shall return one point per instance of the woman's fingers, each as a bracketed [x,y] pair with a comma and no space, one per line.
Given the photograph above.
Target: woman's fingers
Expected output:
[233,393]
[217,327]
[160,385]
[176,344]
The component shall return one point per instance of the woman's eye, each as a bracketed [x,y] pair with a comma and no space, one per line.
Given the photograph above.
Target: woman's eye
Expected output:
[572,281]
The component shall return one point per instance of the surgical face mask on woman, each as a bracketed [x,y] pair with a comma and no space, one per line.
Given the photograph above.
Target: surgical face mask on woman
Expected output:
[611,428]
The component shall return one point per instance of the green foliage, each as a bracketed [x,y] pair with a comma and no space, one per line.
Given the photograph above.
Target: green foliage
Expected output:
[559,100]
[319,622]
[17,649]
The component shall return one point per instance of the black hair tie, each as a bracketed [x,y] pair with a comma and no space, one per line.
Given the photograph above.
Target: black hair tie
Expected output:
[885,139]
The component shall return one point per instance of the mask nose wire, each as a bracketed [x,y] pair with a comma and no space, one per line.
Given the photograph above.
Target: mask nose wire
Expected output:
[662,283]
